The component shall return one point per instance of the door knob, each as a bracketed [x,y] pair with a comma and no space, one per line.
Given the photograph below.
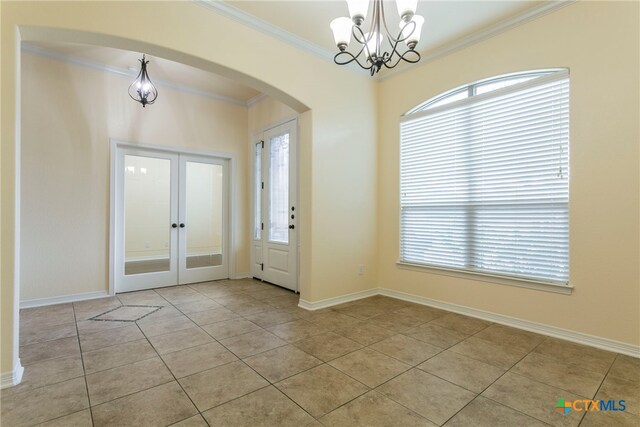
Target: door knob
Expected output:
[181,225]
[174,225]
[291,227]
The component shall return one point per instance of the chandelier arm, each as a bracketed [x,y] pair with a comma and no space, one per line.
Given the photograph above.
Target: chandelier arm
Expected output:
[384,21]
[377,31]
[365,45]
[394,51]
[356,29]
[404,58]
[400,38]
[134,82]
[154,91]
[353,58]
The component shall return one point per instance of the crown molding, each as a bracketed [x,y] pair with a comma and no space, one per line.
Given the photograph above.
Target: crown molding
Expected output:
[485,33]
[251,21]
[47,53]
[265,27]
[259,97]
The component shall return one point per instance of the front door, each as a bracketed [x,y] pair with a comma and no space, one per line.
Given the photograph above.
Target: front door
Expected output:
[274,256]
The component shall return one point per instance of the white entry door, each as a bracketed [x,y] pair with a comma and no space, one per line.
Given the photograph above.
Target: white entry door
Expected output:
[274,255]
[170,219]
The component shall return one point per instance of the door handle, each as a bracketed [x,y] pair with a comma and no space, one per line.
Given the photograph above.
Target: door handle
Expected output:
[174,225]
[181,225]
[291,227]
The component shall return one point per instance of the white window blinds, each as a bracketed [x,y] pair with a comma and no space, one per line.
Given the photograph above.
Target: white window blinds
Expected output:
[485,182]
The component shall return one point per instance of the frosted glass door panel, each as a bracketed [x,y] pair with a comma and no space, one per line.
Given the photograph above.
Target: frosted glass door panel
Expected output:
[203,220]
[279,189]
[257,193]
[147,214]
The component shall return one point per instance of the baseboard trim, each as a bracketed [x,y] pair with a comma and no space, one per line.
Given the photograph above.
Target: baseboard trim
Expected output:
[328,302]
[39,302]
[246,275]
[12,378]
[577,337]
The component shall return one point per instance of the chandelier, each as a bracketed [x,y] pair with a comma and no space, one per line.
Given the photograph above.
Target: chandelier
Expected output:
[370,42]
[142,90]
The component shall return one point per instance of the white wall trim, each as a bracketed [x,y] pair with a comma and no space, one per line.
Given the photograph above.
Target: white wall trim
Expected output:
[539,328]
[329,302]
[39,302]
[265,27]
[259,97]
[499,27]
[553,331]
[57,56]
[243,275]
[9,379]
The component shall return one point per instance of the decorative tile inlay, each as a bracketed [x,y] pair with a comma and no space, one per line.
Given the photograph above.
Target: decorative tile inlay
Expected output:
[126,313]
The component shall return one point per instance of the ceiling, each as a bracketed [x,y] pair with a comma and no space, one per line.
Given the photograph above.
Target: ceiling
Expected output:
[303,23]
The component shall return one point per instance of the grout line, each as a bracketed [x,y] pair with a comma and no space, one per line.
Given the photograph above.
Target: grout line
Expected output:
[507,371]
[67,415]
[84,371]
[600,386]
[172,374]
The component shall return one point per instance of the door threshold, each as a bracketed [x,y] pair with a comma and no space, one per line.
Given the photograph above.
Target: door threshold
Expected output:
[273,284]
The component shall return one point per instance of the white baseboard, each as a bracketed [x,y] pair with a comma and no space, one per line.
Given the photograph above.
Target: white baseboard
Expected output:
[38,302]
[246,275]
[307,305]
[553,331]
[10,379]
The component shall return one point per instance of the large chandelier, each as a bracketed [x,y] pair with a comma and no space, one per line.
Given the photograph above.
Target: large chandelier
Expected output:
[370,54]
[142,90]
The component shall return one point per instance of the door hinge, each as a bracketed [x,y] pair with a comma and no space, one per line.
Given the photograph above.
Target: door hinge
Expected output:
[262,226]
[261,267]
[263,185]
[262,142]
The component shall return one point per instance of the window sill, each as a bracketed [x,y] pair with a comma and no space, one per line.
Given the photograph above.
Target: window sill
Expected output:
[500,280]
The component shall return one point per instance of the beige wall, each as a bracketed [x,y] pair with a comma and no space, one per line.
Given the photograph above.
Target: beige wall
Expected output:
[337,230]
[65,166]
[599,42]
[266,113]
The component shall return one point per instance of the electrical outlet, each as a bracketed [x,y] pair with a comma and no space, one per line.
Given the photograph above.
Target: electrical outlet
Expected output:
[360,269]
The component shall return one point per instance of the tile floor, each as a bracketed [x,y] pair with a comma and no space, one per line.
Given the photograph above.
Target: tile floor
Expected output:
[241,353]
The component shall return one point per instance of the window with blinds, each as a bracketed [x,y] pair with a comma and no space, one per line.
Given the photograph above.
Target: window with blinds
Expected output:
[484,179]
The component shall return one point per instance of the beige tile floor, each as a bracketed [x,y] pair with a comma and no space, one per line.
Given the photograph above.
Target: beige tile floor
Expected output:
[241,353]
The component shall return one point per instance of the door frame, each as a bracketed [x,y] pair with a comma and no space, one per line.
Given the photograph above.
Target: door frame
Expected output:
[231,211]
[255,138]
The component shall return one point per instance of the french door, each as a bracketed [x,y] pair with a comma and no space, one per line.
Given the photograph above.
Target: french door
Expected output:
[274,251]
[171,219]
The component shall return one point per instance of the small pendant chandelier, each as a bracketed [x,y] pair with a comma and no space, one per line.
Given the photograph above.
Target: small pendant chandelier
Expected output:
[142,90]
[370,43]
